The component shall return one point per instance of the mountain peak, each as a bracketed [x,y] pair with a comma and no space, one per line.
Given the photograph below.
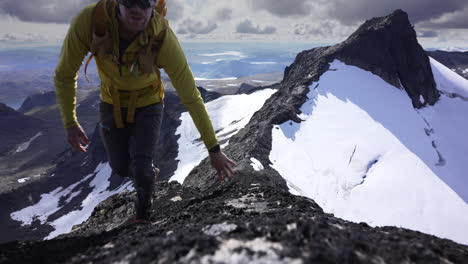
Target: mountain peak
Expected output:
[36,100]
[386,46]
[398,19]
[6,110]
[394,25]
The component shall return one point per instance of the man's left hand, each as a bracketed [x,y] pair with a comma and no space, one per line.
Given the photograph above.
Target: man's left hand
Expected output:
[222,164]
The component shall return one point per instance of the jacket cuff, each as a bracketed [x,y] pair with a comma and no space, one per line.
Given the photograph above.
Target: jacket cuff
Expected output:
[215,149]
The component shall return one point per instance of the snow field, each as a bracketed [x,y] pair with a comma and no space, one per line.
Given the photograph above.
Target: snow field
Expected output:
[363,153]
[50,202]
[228,114]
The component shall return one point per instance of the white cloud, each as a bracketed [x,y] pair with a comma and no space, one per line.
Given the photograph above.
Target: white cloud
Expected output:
[195,27]
[224,14]
[13,29]
[247,26]
[49,11]
[283,8]
[457,19]
[175,10]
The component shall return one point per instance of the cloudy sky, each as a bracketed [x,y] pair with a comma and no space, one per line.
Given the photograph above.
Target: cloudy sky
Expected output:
[438,23]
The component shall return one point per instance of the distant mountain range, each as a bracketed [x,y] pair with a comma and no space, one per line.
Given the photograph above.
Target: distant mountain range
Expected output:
[457,61]
[39,80]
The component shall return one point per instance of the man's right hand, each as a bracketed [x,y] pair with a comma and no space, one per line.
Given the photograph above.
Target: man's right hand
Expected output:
[77,138]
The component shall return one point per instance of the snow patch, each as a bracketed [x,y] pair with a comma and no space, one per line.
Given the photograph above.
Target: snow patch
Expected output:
[41,210]
[220,79]
[50,203]
[100,193]
[256,164]
[454,49]
[23,180]
[217,229]
[262,62]
[291,227]
[228,114]
[258,250]
[421,99]
[227,53]
[368,161]
[176,199]
[24,146]
[249,203]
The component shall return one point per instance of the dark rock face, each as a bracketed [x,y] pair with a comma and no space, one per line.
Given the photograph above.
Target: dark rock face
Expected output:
[390,49]
[38,100]
[16,128]
[246,88]
[386,46]
[457,61]
[48,147]
[208,95]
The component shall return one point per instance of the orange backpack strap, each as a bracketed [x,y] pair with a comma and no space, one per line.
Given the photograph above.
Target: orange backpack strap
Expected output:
[86,66]
[99,41]
[160,7]
[101,18]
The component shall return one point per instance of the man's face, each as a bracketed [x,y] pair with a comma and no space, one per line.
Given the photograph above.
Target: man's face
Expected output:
[135,14]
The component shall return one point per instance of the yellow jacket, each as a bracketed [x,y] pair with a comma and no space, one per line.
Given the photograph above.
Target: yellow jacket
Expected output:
[171,58]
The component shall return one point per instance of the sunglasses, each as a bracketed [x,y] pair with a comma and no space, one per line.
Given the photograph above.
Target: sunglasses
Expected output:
[137,3]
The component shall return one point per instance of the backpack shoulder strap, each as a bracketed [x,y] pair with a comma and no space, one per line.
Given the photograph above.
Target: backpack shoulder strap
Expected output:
[100,27]
[161,9]
[101,18]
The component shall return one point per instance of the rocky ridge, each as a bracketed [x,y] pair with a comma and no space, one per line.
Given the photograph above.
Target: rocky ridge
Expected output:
[239,222]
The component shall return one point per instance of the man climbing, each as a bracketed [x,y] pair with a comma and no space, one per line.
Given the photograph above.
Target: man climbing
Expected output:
[130,40]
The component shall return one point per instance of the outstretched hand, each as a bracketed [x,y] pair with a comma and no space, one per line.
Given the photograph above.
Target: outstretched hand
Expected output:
[222,164]
[77,138]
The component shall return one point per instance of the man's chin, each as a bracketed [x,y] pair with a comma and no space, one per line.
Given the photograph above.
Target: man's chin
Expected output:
[138,28]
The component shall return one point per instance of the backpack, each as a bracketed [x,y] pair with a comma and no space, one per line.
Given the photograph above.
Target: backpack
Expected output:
[101,44]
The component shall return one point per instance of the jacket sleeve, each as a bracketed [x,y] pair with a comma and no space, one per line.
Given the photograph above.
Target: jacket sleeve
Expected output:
[74,49]
[172,59]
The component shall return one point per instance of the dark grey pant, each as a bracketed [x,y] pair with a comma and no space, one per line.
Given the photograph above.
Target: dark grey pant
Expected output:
[130,150]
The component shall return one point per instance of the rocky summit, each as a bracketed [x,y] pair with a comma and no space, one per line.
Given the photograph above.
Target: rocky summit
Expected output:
[253,218]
